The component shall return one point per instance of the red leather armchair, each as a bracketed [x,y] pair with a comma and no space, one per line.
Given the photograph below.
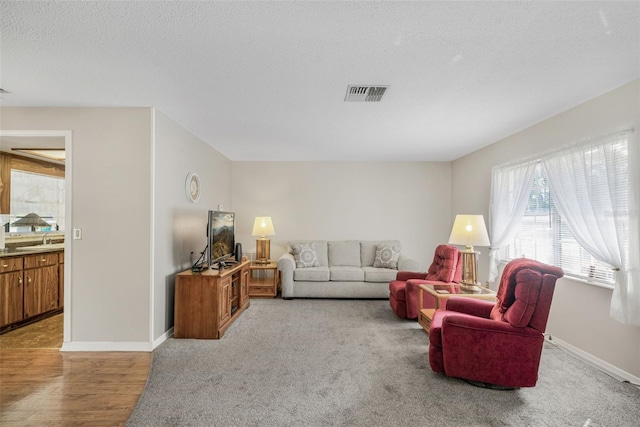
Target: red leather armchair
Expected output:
[403,292]
[497,344]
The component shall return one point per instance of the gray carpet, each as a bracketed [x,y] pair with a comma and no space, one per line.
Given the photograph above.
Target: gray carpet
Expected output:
[354,363]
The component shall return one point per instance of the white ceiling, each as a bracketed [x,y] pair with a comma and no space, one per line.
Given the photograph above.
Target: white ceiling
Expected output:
[267,80]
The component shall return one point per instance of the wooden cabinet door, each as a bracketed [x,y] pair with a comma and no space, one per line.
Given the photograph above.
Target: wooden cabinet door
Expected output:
[244,286]
[40,290]
[10,298]
[224,300]
[61,279]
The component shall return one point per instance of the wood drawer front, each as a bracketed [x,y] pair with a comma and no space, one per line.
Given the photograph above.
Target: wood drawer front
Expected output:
[268,291]
[424,318]
[10,264]
[41,260]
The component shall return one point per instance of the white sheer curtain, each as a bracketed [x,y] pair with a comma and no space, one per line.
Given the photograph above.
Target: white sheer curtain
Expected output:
[510,188]
[590,187]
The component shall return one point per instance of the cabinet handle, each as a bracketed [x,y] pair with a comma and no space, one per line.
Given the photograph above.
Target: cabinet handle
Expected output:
[29,281]
[5,265]
[43,260]
[20,280]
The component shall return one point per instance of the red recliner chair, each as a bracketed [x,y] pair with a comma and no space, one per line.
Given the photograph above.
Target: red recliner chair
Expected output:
[496,344]
[403,292]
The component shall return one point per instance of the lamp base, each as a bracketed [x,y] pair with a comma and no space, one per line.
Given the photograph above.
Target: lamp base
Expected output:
[470,287]
[263,249]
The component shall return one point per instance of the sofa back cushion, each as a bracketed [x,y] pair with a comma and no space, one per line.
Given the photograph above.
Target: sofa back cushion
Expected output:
[345,252]
[321,249]
[528,283]
[445,262]
[368,250]
[521,299]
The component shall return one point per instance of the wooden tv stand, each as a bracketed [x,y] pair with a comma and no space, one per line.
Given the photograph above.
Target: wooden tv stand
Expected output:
[207,302]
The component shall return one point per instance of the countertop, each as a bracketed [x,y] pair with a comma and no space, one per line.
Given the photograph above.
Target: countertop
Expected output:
[29,250]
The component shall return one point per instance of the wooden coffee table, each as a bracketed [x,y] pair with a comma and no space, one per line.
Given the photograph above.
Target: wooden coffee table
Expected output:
[444,292]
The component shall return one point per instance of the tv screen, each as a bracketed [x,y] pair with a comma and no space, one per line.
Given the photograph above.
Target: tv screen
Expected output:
[221,236]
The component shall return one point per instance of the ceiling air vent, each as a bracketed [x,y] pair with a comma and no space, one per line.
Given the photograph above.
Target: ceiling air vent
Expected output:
[365,93]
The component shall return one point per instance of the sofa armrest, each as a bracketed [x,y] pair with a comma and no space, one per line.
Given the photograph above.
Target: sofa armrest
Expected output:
[475,307]
[403,275]
[286,266]
[408,264]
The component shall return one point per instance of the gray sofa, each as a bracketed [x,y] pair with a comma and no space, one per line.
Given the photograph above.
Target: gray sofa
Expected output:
[343,269]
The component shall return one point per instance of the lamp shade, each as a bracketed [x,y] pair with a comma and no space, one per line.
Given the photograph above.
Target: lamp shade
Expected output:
[263,226]
[469,230]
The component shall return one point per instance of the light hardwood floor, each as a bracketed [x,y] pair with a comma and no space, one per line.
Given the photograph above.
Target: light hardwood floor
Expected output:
[39,385]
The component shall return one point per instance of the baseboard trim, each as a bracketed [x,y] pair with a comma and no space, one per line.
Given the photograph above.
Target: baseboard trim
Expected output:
[599,364]
[162,338]
[116,346]
[106,346]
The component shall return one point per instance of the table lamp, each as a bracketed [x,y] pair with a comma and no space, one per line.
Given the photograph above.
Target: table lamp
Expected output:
[469,230]
[263,227]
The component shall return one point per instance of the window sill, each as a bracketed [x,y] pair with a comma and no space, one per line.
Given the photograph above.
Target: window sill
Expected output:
[503,263]
[589,282]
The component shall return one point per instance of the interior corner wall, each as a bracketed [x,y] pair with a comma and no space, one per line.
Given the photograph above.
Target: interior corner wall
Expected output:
[580,312]
[110,265]
[180,225]
[408,201]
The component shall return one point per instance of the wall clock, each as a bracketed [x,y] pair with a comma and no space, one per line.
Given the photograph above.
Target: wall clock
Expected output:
[192,187]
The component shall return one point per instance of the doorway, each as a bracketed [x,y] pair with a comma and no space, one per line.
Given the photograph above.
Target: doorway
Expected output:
[48,139]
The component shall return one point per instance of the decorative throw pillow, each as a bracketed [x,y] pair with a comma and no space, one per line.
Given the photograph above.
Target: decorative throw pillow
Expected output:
[387,256]
[305,255]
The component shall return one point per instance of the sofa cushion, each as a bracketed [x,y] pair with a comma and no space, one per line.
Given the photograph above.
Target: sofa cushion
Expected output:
[368,250]
[528,284]
[373,274]
[305,255]
[444,265]
[342,273]
[387,256]
[321,249]
[345,252]
[312,274]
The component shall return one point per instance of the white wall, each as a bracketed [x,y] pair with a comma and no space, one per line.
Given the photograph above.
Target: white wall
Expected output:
[110,266]
[580,312]
[408,201]
[180,225]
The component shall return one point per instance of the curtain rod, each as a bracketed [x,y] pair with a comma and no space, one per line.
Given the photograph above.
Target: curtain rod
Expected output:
[586,140]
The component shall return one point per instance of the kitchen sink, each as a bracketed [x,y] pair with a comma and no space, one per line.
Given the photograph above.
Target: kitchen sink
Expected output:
[52,246]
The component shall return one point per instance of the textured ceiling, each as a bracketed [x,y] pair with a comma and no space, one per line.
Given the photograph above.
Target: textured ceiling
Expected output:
[267,80]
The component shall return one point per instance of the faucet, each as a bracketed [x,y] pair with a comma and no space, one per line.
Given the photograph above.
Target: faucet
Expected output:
[44,236]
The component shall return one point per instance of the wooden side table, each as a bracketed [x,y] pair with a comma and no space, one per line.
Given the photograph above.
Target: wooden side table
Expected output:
[441,294]
[263,280]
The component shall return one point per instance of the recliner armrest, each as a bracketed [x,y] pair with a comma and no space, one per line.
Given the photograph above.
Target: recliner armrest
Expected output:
[475,307]
[406,275]
[478,325]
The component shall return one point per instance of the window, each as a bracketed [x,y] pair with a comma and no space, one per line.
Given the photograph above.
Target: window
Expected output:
[577,211]
[41,194]
[544,236]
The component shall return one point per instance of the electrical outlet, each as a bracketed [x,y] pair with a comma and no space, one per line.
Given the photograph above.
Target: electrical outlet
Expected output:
[77,234]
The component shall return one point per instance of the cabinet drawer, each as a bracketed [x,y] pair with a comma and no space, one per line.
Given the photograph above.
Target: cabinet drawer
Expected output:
[267,291]
[10,264]
[424,318]
[41,260]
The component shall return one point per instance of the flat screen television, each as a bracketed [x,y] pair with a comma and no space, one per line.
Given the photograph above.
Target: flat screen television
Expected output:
[222,239]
